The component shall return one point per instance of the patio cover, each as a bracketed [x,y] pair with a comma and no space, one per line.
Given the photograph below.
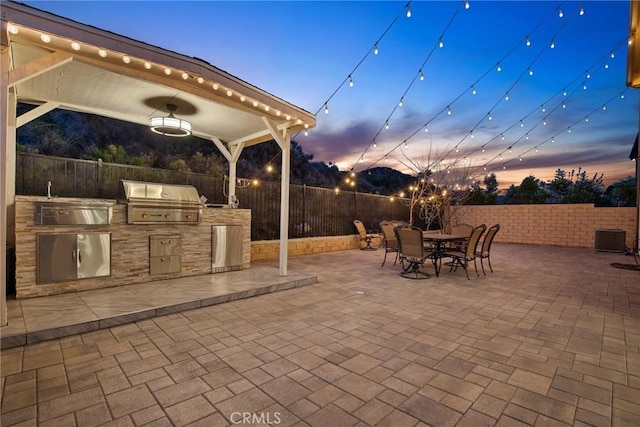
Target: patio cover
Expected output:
[53,62]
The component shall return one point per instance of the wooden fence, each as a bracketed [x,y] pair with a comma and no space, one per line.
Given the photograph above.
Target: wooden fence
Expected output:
[313,211]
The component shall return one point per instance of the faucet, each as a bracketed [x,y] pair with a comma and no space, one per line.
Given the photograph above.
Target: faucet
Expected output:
[49,190]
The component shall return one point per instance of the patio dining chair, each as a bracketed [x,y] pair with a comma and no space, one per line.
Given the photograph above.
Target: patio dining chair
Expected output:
[460,229]
[390,241]
[467,253]
[485,246]
[412,253]
[365,236]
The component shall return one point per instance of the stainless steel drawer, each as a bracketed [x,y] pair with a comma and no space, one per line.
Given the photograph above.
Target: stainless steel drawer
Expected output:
[60,213]
[165,245]
[165,264]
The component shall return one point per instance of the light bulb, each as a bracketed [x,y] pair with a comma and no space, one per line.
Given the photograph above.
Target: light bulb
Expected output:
[586,119]
[613,55]
[584,86]
[126,59]
[448,110]
[502,137]
[406,145]
[553,44]
[528,42]
[102,53]
[569,130]
[520,158]
[588,75]
[167,71]
[400,103]
[473,90]
[215,86]
[306,132]
[45,38]
[604,108]
[622,96]
[467,5]
[408,11]
[185,76]
[483,150]
[75,45]
[544,121]
[326,109]
[229,92]
[426,129]
[489,116]
[421,76]
[564,92]
[536,149]
[244,98]
[375,145]
[530,72]
[499,68]
[526,136]
[544,109]
[472,134]
[441,44]
[581,11]
[375,49]
[12,29]
[350,82]
[521,124]
[564,105]
[386,125]
[560,13]
[606,65]
[506,97]
[553,140]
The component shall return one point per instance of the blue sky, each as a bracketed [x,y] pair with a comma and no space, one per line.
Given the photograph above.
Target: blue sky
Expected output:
[303,51]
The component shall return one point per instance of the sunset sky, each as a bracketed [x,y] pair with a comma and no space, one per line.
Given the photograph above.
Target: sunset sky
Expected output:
[304,52]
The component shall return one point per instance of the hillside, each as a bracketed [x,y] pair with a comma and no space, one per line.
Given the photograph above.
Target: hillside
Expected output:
[84,136]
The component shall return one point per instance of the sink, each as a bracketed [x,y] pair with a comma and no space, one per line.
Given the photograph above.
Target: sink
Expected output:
[86,212]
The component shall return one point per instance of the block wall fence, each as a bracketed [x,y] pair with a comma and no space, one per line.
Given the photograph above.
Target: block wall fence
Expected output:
[557,225]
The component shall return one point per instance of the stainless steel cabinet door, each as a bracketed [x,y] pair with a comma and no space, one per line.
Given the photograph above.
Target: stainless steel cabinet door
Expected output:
[57,257]
[94,255]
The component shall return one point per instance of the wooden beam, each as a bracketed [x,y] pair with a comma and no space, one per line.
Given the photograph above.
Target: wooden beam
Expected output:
[39,111]
[37,67]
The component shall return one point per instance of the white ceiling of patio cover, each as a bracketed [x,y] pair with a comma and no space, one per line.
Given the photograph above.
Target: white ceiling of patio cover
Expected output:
[110,88]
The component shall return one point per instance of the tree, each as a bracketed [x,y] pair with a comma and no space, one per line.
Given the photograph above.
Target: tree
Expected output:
[576,187]
[486,196]
[529,191]
[437,186]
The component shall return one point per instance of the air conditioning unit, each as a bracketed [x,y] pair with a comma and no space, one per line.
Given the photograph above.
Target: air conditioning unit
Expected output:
[610,240]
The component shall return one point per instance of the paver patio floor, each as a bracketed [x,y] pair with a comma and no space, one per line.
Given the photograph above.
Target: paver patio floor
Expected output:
[552,337]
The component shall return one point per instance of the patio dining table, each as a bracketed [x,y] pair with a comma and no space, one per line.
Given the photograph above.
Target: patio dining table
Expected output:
[438,241]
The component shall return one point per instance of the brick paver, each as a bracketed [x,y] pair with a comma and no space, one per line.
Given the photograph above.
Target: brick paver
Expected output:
[552,337]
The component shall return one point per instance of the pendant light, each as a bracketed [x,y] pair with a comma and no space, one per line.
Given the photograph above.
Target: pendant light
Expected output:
[170,126]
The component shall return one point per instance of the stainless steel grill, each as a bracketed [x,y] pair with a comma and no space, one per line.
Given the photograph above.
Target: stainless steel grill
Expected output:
[154,203]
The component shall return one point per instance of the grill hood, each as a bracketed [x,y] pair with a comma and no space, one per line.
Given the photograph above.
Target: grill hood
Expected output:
[156,203]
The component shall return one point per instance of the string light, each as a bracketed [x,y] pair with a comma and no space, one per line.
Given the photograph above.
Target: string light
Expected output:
[560,13]
[544,121]
[473,90]
[506,97]
[584,86]
[581,11]
[489,116]
[612,55]
[386,125]
[441,43]
[467,5]
[400,102]
[350,81]
[375,49]
[588,75]
[421,76]
[408,11]
[553,44]
[606,65]
[528,42]
[530,72]
[499,68]
[326,109]
[604,108]
[586,119]
[448,110]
